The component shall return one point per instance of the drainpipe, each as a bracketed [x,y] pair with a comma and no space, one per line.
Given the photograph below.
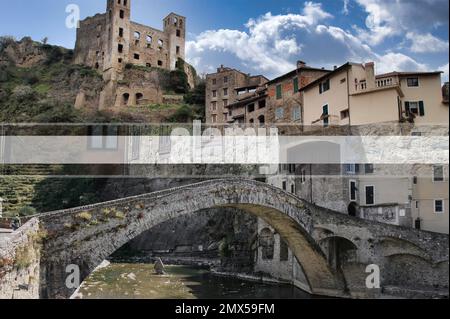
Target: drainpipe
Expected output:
[348,100]
[311,183]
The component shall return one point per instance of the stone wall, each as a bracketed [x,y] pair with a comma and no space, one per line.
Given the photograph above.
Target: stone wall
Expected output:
[19,263]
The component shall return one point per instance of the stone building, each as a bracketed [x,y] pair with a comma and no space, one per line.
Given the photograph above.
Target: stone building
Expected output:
[223,89]
[110,41]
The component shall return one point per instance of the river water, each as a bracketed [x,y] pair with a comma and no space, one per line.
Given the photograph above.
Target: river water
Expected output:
[139,281]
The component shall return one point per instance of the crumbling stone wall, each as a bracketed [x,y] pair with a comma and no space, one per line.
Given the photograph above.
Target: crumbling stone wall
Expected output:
[19,263]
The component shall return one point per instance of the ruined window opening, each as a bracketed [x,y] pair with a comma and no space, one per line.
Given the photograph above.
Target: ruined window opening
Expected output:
[225,92]
[136,56]
[251,108]
[120,48]
[121,32]
[137,35]
[149,39]
[252,121]
[181,23]
[267,243]
[97,65]
[284,185]
[125,2]
[125,99]
[160,43]
[178,49]
[262,119]
[119,60]
[284,250]
[122,14]
[178,33]
[139,98]
[160,63]
[148,65]
[175,20]
[261,104]
[293,188]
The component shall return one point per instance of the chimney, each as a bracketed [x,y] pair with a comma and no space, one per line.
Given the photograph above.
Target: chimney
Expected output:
[335,67]
[300,64]
[370,75]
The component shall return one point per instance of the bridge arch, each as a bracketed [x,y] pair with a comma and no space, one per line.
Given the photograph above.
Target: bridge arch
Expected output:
[86,236]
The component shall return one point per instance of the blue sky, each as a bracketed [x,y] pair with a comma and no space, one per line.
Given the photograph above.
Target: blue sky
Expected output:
[269,36]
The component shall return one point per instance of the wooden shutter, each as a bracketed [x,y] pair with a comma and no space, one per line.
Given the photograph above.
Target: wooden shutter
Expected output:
[421,108]
[295,85]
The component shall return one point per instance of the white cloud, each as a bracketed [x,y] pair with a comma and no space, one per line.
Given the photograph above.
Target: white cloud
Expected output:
[269,44]
[387,18]
[345,9]
[445,68]
[398,62]
[272,43]
[424,43]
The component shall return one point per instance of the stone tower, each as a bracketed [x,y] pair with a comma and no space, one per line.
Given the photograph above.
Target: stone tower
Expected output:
[118,47]
[175,29]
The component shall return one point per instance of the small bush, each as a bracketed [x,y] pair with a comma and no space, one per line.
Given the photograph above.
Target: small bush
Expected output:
[86,216]
[26,211]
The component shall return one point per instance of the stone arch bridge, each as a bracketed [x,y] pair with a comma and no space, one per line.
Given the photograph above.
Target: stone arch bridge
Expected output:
[333,249]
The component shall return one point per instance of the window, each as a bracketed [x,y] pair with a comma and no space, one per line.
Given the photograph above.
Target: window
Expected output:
[438,206]
[284,185]
[326,120]
[125,2]
[214,106]
[119,60]
[120,48]
[137,35]
[225,79]
[267,243]
[121,32]
[343,80]
[148,65]
[225,103]
[284,250]
[160,43]
[351,168]
[279,113]
[279,92]
[262,104]
[296,114]
[136,56]
[353,190]
[214,81]
[416,108]
[149,39]
[214,118]
[262,120]
[345,114]
[324,86]
[160,63]
[178,50]
[412,82]
[368,168]
[303,176]
[293,188]
[370,195]
[178,33]
[214,93]
[225,92]
[103,137]
[295,85]
[251,108]
[122,14]
[139,98]
[438,173]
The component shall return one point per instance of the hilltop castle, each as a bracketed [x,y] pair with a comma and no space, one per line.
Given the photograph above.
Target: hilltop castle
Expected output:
[110,41]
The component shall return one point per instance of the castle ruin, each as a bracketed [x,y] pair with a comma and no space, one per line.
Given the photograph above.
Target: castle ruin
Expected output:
[110,41]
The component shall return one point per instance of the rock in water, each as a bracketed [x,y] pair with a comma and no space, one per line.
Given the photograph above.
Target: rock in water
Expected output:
[159,267]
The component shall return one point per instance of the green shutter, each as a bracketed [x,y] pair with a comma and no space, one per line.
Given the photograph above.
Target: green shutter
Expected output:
[421,108]
[279,96]
[295,85]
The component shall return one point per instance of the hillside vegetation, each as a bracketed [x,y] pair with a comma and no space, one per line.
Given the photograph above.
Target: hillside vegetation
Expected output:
[39,84]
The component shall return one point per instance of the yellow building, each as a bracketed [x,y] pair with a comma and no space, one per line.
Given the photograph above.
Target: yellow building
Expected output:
[353,95]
